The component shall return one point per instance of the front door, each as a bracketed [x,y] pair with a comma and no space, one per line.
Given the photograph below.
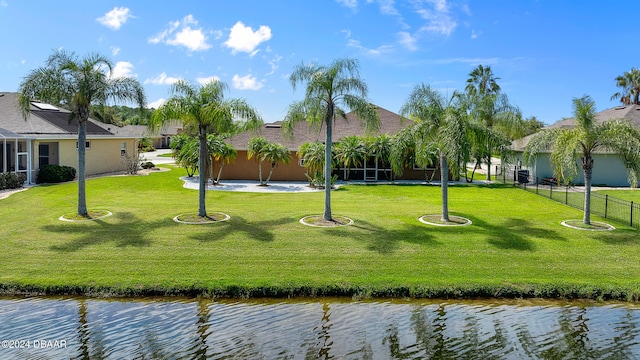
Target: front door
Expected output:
[43,155]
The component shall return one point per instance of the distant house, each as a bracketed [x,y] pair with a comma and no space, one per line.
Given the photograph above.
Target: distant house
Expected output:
[160,138]
[608,169]
[47,137]
[244,169]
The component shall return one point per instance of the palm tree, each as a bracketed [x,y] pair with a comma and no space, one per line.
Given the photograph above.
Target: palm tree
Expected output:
[351,152]
[630,84]
[482,82]
[441,125]
[205,108]
[587,137]
[380,148]
[255,149]
[491,109]
[220,151]
[275,154]
[78,84]
[312,156]
[327,88]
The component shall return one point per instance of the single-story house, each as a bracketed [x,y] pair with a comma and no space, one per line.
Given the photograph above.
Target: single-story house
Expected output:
[244,169]
[160,138]
[47,137]
[608,169]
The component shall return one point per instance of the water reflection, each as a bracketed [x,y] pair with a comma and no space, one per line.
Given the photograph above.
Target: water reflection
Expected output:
[48,328]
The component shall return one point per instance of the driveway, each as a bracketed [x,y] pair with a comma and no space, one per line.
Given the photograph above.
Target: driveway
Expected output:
[155,158]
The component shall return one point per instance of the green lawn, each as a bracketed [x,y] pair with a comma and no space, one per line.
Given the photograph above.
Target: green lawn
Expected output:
[629,195]
[515,247]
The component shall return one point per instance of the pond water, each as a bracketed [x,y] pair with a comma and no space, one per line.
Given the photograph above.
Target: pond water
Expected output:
[57,328]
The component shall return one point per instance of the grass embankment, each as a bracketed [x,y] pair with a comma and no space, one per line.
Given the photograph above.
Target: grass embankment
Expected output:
[516,246]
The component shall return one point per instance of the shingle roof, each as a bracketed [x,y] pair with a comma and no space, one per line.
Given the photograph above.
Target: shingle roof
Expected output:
[390,123]
[47,122]
[630,113]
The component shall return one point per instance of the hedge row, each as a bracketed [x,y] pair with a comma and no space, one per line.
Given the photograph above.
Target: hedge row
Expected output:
[11,180]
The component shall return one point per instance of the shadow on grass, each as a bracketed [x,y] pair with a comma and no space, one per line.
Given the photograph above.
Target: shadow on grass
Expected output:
[514,233]
[259,231]
[128,230]
[618,237]
[382,240]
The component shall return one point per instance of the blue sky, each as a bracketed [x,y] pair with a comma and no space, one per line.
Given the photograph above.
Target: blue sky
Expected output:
[544,52]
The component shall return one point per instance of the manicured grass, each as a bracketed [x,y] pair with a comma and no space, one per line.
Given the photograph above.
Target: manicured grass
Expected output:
[515,246]
[629,195]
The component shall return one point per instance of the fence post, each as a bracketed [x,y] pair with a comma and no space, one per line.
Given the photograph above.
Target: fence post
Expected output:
[566,195]
[537,186]
[631,221]
[606,205]
[551,191]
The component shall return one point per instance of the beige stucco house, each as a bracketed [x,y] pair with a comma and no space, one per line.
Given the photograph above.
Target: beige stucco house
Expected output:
[47,137]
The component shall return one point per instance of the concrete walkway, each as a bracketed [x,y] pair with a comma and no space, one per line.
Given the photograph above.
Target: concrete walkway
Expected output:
[155,158]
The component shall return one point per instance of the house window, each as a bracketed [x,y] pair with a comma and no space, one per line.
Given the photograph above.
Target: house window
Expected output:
[87,145]
[123,149]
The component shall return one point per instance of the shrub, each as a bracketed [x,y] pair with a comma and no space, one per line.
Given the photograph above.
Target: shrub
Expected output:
[11,180]
[147,165]
[55,174]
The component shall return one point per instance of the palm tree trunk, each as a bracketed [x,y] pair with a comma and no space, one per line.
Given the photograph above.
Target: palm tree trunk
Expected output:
[220,171]
[202,210]
[327,164]
[260,171]
[444,185]
[270,173]
[587,167]
[82,141]
[489,168]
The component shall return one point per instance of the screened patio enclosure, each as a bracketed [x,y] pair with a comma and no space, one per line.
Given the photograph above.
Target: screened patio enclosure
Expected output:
[15,154]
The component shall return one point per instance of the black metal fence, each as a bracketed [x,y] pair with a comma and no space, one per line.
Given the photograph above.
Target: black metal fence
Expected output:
[607,206]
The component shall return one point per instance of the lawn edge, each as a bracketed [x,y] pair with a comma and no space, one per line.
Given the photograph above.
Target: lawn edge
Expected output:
[471,291]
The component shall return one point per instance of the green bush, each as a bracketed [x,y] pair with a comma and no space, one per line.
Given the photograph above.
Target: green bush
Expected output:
[55,174]
[11,180]
[147,165]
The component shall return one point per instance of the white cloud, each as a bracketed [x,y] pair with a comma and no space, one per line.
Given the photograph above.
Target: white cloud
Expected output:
[162,79]
[204,80]
[123,68]
[243,39]
[115,18]
[274,64]
[115,50]
[246,82]
[474,34]
[183,33]
[3,3]
[438,18]
[156,104]
[407,40]
[352,4]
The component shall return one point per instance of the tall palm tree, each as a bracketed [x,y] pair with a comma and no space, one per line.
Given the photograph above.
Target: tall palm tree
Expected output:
[482,82]
[327,89]
[630,84]
[440,124]
[351,152]
[255,150]
[205,109]
[491,109]
[587,137]
[78,84]
[275,154]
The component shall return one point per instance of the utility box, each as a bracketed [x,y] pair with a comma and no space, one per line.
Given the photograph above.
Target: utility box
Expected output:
[523,176]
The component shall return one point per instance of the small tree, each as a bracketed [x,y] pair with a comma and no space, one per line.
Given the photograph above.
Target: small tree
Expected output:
[255,150]
[350,152]
[275,154]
